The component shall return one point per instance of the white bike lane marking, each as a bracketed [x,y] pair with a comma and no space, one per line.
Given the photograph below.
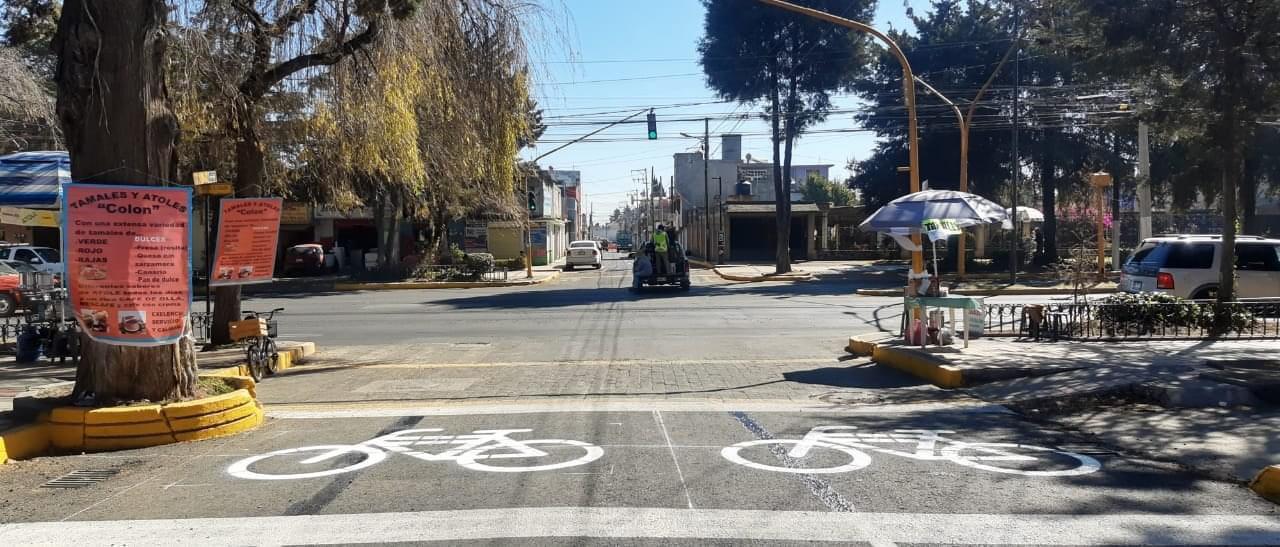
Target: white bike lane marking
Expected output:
[926,448]
[466,450]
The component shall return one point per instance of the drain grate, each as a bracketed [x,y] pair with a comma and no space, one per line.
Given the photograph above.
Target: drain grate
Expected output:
[81,478]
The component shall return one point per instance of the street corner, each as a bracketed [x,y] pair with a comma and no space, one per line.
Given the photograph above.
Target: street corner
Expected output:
[1267,483]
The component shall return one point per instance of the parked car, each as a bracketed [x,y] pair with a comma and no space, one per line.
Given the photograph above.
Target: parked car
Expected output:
[305,259]
[583,253]
[10,295]
[44,259]
[1187,266]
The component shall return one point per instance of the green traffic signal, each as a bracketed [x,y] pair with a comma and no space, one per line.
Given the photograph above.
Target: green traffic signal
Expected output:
[653,127]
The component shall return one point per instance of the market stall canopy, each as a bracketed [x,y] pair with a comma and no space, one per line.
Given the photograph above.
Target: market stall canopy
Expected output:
[1025,214]
[34,179]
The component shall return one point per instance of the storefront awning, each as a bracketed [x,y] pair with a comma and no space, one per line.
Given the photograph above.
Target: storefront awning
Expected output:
[34,179]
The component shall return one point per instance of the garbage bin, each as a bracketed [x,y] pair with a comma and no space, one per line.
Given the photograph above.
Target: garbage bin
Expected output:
[28,350]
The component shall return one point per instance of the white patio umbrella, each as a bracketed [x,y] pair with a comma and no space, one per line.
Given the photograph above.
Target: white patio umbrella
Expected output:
[1025,214]
[903,216]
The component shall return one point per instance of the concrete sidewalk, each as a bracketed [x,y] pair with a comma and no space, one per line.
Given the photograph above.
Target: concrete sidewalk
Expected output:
[1164,399]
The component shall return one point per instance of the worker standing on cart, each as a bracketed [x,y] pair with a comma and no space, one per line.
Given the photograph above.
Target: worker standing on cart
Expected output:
[660,247]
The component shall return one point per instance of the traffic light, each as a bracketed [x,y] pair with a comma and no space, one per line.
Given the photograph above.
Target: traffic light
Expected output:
[653,126]
[533,201]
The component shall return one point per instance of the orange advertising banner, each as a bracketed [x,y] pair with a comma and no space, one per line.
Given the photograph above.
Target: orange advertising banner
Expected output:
[248,231]
[128,258]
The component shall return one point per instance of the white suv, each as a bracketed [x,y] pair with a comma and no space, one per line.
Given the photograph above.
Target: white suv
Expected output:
[41,258]
[1187,266]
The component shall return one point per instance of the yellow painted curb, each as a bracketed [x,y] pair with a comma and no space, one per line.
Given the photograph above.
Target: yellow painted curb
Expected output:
[1267,483]
[123,415]
[920,365]
[254,419]
[23,442]
[416,285]
[207,405]
[204,421]
[140,429]
[117,428]
[860,347]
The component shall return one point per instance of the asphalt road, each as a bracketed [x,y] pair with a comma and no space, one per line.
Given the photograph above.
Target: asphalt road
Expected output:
[577,412]
[641,476]
[591,314]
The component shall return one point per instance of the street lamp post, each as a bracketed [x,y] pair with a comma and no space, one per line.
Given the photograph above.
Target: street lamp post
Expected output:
[909,97]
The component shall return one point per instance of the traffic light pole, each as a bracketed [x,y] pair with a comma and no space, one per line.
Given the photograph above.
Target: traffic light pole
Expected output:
[528,230]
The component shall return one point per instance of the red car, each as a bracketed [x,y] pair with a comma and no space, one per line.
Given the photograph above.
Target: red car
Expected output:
[10,297]
[305,259]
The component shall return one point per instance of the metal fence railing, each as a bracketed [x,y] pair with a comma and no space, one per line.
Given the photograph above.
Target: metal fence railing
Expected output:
[1098,320]
[457,272]
[201,326]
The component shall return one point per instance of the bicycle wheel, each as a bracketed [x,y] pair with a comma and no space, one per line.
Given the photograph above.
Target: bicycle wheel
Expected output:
[468,459]
[371,456]
[270,356]
[988,456]
[256,365]
[858,458]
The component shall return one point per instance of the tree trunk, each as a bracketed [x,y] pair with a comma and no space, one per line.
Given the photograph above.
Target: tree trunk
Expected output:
[251,165]
[782,217]
[1249,194]
[114,110]
[1048,201]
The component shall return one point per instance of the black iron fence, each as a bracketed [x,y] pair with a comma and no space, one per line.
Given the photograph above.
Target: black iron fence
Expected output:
[457,272]
[1097,320]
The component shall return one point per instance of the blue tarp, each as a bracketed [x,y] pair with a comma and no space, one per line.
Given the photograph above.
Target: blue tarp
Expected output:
[34,179]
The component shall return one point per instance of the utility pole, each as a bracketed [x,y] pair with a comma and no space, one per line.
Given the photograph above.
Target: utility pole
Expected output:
[706,186]
[719,235]
[1144,182]
[1017,158]
[908,95]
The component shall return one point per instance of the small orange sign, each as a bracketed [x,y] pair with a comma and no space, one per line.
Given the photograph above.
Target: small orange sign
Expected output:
[248,231]
[128,261]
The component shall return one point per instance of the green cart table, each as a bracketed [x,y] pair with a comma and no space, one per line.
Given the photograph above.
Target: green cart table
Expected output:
[951,302]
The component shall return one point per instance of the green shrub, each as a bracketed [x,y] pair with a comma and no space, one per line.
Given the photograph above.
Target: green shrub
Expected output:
[479,264]
[1150,311]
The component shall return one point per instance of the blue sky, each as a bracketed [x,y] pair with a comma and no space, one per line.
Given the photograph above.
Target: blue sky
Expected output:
[625,55]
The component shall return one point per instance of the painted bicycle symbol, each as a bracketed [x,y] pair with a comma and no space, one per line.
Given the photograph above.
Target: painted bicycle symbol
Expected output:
[929,445]
[481,450]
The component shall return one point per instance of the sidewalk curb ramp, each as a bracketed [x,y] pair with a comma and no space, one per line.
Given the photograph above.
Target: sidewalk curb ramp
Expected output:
[407,285]
[792,276]
[76,429]
[289,358]
[1267,483]
[940,371]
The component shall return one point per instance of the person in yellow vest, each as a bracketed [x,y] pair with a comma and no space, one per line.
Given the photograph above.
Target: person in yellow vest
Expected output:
[661,244]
